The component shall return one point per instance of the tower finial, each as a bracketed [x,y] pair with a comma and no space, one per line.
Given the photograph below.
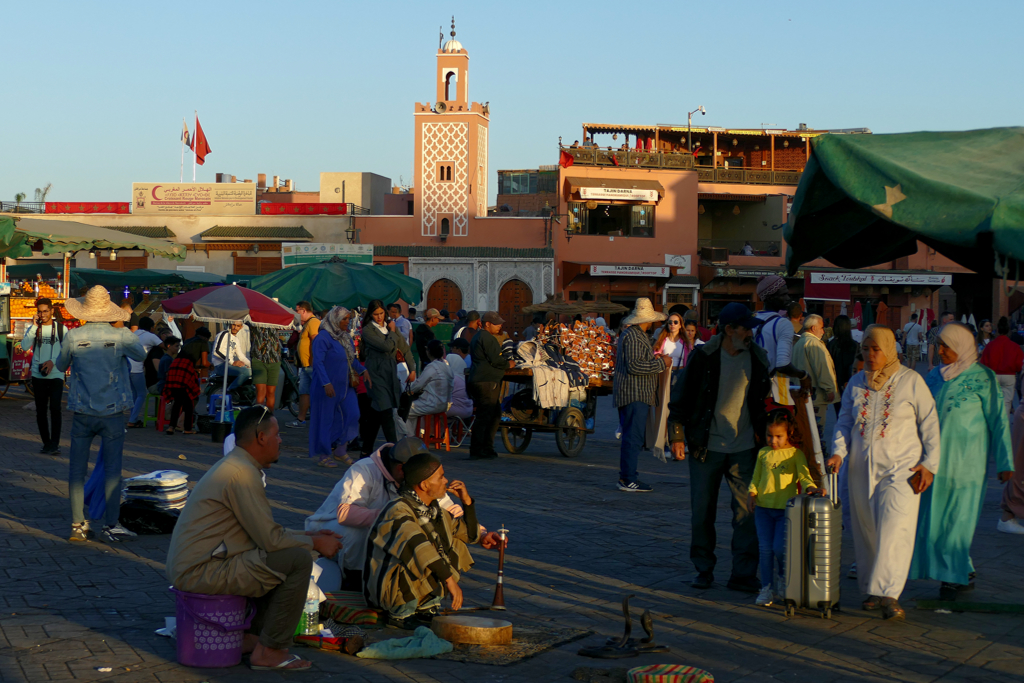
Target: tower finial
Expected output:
[453,26]
[440,37]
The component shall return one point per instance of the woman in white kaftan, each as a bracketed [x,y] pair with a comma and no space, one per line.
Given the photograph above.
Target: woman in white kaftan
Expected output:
[889,429]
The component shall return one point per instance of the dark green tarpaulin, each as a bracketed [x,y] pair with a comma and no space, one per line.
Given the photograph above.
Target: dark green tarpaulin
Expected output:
[25,271]
[140,277]
[338,283]
[867,199]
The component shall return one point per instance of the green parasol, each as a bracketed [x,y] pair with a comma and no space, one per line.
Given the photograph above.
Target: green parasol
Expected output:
[338,283]
[17,237]
[869,199]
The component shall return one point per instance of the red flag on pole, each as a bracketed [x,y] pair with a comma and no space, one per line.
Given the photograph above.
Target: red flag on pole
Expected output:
[199,144]
[565,160]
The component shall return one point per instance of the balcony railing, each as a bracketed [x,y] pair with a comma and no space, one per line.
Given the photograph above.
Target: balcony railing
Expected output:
[635,158]
[22,207]
[739,247]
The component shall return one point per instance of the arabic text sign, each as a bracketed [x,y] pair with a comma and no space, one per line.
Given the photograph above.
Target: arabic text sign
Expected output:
[202,199]
[883,278]
[622,193]
[300,253]
[635,271]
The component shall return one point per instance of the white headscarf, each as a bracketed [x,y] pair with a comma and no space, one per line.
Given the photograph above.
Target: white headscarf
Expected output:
[960,339]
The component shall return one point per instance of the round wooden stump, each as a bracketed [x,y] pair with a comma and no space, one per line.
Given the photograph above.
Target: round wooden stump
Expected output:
[472,630]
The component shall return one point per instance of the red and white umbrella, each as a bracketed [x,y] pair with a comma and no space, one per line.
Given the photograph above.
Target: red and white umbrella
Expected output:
[231,303]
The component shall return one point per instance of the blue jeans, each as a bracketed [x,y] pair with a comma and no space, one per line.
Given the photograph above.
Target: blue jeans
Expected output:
[240,375]
[633,420]
[110,429]
[139,392]
[771,530]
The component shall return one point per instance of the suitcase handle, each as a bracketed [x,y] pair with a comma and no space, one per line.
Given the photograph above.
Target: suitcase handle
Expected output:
[811,539]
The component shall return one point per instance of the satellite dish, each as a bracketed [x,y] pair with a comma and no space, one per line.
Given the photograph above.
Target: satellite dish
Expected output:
[440,107]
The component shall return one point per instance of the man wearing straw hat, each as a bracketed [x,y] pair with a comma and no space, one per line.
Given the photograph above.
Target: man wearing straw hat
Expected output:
[636,382]
[100,392]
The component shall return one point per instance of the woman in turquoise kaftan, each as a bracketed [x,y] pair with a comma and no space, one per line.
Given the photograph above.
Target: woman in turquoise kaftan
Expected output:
[972,425]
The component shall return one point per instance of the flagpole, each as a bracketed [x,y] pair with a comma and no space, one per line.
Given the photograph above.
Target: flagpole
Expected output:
[181,174]
[194,145]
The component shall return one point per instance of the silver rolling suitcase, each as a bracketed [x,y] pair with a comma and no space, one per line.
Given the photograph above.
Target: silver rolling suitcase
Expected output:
[813,544]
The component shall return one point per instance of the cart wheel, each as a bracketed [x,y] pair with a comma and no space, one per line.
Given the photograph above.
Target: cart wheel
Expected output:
[790,610]
[571,435]
[516,439]
[826,613]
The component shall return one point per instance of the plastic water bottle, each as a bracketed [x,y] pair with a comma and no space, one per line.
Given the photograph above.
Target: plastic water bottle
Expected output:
[311,612]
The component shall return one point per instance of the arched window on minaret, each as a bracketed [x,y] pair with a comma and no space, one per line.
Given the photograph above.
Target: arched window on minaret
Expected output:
[451,81]
[449,170]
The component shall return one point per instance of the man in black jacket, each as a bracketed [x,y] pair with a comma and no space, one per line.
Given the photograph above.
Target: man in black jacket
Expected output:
[722,417]
[486,374]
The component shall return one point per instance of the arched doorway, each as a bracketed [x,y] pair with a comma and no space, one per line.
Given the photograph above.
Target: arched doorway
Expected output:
[444,294]
[514,295]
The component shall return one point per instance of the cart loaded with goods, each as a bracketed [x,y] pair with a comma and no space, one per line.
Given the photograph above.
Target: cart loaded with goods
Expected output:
[556,380]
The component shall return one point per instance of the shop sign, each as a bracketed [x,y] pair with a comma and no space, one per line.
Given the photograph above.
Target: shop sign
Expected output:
[883,278]
[681,262]
[299,253]
[633,271]
[194,199]
[630,194]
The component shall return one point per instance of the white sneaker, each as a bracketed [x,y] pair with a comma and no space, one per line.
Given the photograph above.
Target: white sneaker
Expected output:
[1010,526]
[765,597]
[119,530]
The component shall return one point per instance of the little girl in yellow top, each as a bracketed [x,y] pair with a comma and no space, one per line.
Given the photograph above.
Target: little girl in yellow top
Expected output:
[780,465]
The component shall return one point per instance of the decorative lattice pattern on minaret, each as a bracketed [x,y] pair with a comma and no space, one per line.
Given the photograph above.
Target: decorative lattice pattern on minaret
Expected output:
[481,163]
[447,142]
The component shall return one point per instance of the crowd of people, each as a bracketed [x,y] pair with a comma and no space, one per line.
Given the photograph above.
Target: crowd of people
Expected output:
[911,448]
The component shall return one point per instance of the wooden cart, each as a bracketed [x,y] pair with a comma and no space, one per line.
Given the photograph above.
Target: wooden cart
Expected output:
[569,428]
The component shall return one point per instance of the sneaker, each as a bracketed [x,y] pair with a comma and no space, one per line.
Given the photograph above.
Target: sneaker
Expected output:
[852,574]
[119,530]
[80,533]
[746,584]
[703,581]
[54,450]
[765,597]
[1010,526]
[295,424]
[637,485]
[110,536]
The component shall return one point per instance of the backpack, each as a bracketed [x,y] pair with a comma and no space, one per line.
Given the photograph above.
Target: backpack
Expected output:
[59,326]
[759,334]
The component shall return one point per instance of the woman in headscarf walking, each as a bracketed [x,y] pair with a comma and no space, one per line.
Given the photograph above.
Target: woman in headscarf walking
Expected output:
[973,423]
[333,408]
[381,344]
[889,429]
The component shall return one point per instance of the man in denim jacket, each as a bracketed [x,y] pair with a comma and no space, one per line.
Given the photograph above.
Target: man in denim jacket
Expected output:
[100,392]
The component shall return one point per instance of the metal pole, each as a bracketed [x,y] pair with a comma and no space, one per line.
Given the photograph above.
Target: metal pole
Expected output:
[224,392]
[689,137]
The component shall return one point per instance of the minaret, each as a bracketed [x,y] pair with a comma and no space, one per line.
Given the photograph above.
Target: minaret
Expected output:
[451,150]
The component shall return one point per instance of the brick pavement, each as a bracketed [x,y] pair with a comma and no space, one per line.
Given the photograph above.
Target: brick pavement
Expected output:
[577,545]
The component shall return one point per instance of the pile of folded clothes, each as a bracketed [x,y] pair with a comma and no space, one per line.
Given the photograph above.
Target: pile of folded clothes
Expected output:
[163,489]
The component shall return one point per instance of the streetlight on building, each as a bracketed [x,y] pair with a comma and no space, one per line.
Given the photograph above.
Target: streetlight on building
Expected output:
[689,125]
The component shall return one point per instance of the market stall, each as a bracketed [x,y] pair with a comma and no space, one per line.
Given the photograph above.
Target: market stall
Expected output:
[337,282]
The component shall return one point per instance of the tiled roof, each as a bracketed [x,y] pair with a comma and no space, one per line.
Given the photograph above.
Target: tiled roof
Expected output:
[142,230]
[462,252]
[257,232]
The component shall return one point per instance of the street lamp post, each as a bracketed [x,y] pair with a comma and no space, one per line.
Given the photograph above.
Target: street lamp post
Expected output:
[689,125]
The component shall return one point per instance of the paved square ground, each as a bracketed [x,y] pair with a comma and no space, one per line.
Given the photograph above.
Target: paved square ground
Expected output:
[577,546]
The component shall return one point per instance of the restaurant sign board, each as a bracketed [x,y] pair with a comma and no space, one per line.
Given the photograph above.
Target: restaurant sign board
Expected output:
[301,253]
[883,278]
[632,271]
[630,194]
[194,199]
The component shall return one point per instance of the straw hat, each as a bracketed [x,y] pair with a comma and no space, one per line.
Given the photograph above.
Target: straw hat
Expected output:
[96,307]
[643,312]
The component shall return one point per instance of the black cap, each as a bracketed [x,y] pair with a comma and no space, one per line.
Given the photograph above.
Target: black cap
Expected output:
[406,448]
[419,468]
[493,318]
[736,314]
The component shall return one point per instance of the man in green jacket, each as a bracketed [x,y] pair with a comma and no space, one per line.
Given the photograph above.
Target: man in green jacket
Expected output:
[485,377]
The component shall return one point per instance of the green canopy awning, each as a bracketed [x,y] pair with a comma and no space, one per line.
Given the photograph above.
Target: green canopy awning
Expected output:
[338,283]
[59,236]
[24,271]
[868,199]
[140,277]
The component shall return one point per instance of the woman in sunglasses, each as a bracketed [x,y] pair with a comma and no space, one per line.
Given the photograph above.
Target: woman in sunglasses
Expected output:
[677,340]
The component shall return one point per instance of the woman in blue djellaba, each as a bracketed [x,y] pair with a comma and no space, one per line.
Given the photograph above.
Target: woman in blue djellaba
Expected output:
[972,426]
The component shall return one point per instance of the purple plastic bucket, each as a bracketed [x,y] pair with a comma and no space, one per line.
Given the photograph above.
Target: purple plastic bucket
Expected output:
[210,628]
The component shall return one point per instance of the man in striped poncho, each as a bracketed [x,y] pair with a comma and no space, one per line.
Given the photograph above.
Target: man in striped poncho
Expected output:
[416,550]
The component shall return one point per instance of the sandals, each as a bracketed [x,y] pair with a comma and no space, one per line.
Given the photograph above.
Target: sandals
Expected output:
[284,666]
[188,432]
[891,610]
[872,602]
[324,462]
[343,458]
[169,431]
[136,425]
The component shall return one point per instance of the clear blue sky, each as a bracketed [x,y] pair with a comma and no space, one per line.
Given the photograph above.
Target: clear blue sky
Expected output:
[95,92]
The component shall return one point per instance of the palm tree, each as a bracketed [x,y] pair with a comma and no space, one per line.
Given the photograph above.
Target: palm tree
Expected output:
[41,196]
[18,199]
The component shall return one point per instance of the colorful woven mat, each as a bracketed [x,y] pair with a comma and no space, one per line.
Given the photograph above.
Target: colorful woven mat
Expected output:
[668,673]
[348,608]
